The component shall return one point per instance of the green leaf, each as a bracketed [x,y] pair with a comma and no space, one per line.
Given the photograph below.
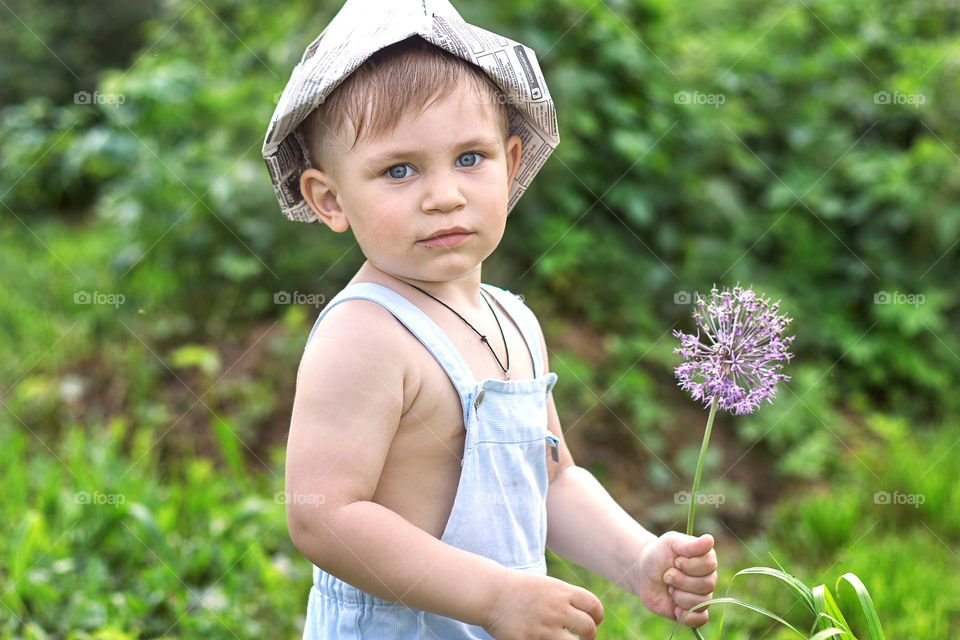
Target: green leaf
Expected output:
[741,603]
[827,633]
[822,620]
[802,590]
[866,604]
[825,604]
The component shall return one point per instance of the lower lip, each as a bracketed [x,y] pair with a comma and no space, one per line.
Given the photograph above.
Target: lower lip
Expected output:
[450,240]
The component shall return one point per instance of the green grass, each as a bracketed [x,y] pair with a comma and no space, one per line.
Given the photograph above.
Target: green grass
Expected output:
[100,539]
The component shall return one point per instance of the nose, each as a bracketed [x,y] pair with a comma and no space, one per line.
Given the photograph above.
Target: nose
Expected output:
[442,193]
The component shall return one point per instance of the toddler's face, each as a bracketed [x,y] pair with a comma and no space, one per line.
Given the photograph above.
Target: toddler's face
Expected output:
[446,167]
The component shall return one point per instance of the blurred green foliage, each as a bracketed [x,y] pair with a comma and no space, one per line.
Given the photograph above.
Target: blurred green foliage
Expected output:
[57,48]
[800,182]
[99,541]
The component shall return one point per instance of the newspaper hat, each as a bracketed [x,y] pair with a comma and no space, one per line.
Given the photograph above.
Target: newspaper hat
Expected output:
[363,27]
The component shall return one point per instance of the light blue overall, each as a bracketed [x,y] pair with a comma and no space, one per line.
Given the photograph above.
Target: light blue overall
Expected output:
[500,506]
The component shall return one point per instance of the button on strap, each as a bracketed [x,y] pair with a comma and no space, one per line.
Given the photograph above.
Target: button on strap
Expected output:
[554,441]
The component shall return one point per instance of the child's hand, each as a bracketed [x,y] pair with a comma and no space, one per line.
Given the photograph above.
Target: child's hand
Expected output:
[676,572]
[534,607]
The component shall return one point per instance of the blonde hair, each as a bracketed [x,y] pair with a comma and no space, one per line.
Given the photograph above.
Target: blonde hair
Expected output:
[402,77]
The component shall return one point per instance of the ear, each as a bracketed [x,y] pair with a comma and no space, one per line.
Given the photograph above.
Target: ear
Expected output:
[513,148]
[320,192]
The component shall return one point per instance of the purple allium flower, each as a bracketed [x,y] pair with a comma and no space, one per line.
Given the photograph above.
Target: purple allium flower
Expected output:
[739,366]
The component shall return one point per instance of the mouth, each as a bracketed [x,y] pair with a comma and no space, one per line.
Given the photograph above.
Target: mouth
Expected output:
[446,238]
[446,232]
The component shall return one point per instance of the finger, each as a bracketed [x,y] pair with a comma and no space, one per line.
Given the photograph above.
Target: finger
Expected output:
[684,545]
[702,565]
[696,618]
[685,599]
[589,603]
[693,584]
[582,625]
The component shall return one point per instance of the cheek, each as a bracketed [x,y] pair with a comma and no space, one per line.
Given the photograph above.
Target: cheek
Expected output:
[375,211]
[498,192]
[388,221]
[493,185]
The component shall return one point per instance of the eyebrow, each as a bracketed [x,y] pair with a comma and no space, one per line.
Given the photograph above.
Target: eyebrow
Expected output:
[396,154]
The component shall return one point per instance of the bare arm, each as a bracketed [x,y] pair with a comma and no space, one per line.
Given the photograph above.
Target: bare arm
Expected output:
[586,526]
[378,551]
[584,523]
[349,401]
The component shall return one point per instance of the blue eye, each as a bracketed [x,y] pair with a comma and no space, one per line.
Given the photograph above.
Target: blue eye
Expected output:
[469,159]
[399,171]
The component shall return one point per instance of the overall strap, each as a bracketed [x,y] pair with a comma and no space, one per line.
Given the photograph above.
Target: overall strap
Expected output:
[421,326]
[525,319]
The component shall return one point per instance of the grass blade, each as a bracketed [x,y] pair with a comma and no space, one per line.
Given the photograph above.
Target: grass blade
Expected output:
[824,620]
[746,605]
[826,605]
[866,604]
[802,590]
[829,633]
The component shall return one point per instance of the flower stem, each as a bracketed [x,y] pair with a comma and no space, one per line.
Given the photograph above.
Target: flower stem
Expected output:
[696,483]
[696,478]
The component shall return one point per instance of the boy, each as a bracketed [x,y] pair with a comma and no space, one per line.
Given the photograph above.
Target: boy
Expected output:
[420,454]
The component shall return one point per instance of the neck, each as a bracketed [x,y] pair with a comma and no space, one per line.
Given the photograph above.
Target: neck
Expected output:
[462,293]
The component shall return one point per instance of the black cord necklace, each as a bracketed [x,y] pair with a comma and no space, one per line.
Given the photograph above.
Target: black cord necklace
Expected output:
[483,338]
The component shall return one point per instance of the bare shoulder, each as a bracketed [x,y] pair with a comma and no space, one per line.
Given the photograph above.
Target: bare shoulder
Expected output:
[359,338]
[353,386]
